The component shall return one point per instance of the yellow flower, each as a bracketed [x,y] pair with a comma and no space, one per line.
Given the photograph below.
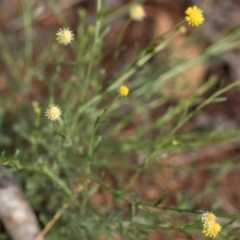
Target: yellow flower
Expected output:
[53,113]
[211,230]
[182,29]
[208,218]
[64,36]
[123,91]
[137,12]
[174,142]
[194,16]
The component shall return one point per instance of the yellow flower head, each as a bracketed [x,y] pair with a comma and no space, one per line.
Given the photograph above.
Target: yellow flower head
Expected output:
[194,16]
[211,230]
[64,36]
[137,12]
[174,142]
[182,29]
[123,91]
[53,113]
[208,218]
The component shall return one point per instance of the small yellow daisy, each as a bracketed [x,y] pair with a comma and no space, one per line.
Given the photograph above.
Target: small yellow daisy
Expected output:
[123,91]
[53,113]
[137,12]
[64,36]
[211,230]
[194,16]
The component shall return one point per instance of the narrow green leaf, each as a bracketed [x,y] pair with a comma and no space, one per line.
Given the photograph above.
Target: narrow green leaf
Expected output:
[160,200]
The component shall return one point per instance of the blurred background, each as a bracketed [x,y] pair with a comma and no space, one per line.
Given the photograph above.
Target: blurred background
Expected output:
[200,166]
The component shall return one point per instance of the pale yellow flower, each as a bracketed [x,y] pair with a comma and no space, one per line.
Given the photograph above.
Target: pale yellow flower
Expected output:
[210,227]
[53,113]
[64,36]
[137,12]
[208,218]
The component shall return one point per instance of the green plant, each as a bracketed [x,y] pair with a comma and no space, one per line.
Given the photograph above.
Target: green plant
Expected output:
[79,172]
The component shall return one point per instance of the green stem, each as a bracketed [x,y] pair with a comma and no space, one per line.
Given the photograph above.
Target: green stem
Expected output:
[93,52]
[206,102]
[120,38]
[90,152]
[140,61]
[57,180]
[135,176]
[97,123]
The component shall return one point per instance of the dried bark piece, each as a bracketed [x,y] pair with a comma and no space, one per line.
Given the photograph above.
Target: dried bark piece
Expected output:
[15,212]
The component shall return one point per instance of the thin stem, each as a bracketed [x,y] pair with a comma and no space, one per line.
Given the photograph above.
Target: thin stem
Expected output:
[51,223]
[93,52]
[206,102]
[97,123]
[90,152]
[57,180]
[120,38]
